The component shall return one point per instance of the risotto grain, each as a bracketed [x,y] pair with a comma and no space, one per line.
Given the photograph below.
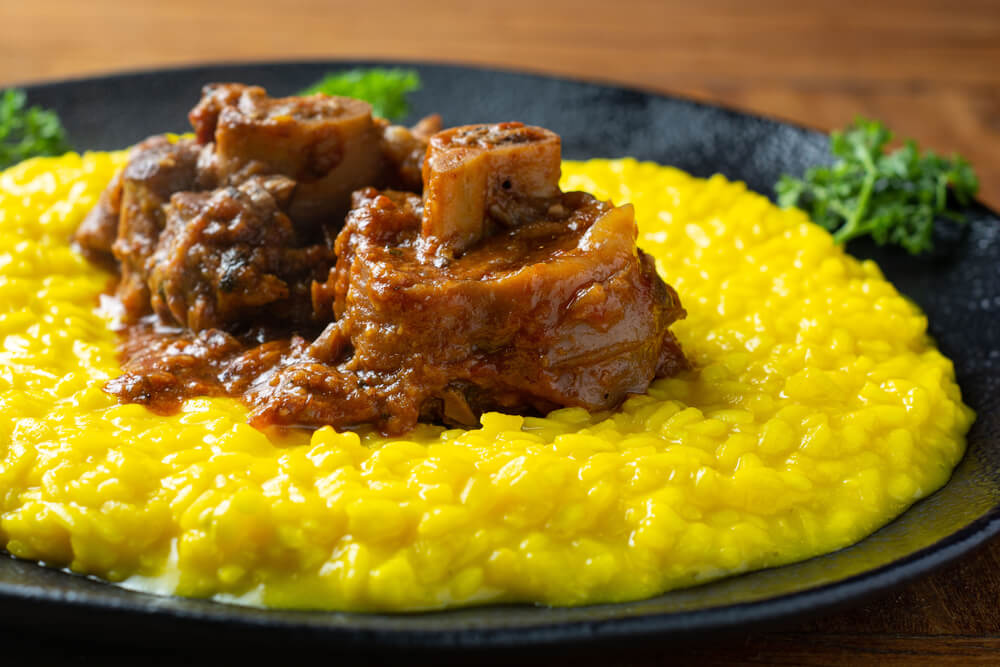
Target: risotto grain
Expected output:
[818,411]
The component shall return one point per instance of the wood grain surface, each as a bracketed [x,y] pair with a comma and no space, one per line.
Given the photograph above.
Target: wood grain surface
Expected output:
[931,70]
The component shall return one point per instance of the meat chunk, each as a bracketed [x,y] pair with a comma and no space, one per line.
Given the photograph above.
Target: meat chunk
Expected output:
[232,257]
[329,145]
[558,311]
[99,229]
[157,168]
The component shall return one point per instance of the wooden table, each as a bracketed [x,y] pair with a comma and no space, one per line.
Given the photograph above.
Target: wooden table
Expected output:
[931,70]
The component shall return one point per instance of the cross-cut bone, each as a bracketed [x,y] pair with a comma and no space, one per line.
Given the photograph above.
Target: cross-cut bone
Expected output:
[474,173]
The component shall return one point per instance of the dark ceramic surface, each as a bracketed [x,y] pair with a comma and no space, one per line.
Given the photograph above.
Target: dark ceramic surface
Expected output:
[959,288]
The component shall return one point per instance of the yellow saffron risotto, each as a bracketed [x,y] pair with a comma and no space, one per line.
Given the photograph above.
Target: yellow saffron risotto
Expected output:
[818,411]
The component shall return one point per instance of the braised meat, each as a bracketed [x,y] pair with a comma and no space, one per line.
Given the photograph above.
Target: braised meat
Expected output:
[493,291]
[329,145]
[157,168]
[473,284]
[322,147]
[558,311]
[232,256]
[99,229]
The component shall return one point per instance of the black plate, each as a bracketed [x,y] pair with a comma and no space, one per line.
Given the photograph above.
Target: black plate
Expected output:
[959,289]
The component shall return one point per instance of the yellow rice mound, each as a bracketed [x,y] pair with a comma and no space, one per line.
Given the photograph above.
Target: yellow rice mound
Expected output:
[818,411]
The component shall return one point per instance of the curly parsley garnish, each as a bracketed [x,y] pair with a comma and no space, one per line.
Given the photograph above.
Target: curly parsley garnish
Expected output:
[384,88]
[27,132]
[893,197]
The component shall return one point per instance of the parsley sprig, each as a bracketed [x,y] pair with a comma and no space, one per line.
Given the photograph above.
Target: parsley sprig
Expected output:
[384,88]
[27,132]
[893,197]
